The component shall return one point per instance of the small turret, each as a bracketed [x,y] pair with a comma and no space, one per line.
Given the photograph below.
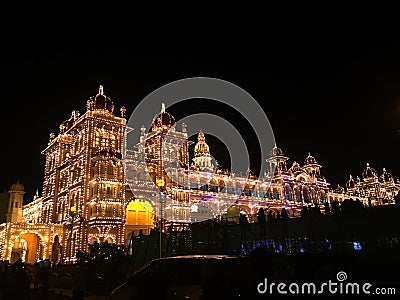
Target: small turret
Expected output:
[14,212]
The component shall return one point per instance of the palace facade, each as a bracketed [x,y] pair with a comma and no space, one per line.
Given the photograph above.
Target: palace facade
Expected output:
[95,189]
[200,190]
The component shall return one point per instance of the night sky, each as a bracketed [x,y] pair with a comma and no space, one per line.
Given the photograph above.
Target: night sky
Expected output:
[339,102]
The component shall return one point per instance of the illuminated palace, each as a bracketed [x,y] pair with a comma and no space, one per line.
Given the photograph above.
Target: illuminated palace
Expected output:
[200,191]
[90,195]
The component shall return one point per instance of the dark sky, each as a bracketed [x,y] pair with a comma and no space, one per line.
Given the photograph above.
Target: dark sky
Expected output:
[340,102]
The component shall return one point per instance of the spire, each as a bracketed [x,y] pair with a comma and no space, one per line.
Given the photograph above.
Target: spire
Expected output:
[101,90]
[123,111]
[351,177]
[202,159]
[36,195]
[367,165]
[143,130]
[201,138]
[162,107]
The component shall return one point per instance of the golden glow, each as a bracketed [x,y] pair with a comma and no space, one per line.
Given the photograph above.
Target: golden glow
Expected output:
[139,216]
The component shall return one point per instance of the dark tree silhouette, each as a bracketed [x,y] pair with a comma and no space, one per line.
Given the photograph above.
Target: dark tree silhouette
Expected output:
[335,208]
[108,261]
[359,206]
[304,212]
[243,219]
[270,216]
[327,209]
[262,220]
[315,210]
[284,214]
[261,215]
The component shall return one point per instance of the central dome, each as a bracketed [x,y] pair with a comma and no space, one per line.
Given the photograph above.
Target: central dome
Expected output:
[369,172]
[163,119]
[103,102]
[310,160]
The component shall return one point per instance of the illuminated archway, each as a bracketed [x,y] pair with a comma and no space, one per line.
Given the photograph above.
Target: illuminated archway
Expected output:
[139,218]
[28,247]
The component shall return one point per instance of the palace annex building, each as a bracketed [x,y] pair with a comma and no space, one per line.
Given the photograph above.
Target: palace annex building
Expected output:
[96,190]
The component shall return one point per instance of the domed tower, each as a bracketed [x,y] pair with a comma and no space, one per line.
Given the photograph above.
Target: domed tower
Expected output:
[165,147]
[84,176]
[277,161]
[202,159]
[100,102]
[369,174]
[16,198]
[387,178]
[163,121]
[312,167]
[351,185]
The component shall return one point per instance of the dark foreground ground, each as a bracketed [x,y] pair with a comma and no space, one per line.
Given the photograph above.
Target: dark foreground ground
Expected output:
[381,270]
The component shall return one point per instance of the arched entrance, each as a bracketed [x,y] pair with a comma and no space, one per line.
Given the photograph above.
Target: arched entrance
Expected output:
[28,247]
[139,218]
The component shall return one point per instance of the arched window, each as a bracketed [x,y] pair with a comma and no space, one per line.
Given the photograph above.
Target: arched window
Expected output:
[313,194]
[108,210]
[213,185]
[105,140]
[306,193]
[288,192]
[109,189]
[113,141]
[204,187]
[275,194]
[230,188]
[97,140]
[297,192]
